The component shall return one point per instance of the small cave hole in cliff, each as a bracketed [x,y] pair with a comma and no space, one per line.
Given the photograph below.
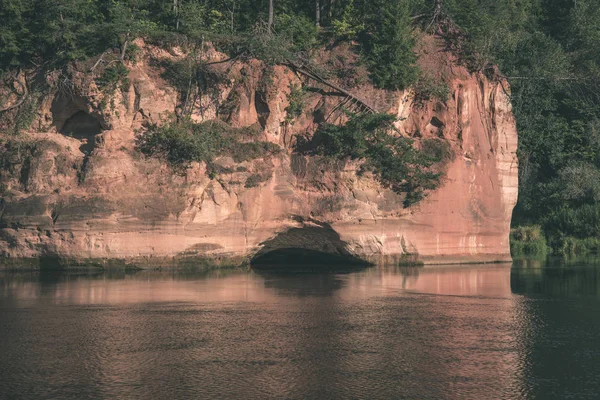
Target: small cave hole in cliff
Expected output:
[262,108]
[435,121]
[84,127]
[309,248]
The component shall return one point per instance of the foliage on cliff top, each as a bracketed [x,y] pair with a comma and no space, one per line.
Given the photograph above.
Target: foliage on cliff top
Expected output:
[49,34]
[182,142]
[388,46]
[394,160]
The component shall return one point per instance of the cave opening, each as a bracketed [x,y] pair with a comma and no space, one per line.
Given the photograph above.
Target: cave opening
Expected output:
[315,246]
[84,127]
[262,108]
[435,121]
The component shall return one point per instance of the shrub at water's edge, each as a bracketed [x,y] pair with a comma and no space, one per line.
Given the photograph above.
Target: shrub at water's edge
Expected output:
[528,242]
[569,246]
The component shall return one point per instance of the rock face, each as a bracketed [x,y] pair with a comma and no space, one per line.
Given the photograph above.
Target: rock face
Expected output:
[112,205]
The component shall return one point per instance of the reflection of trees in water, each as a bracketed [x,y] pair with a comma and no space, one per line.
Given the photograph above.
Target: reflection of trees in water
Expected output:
[557,335]
[528,264]
[556,280]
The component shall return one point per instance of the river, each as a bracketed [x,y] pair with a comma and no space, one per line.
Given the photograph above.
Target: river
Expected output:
[461,332]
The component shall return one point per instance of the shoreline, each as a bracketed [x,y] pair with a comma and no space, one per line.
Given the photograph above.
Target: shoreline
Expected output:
[55,263]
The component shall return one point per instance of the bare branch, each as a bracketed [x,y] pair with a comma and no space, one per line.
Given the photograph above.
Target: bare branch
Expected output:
[21,100]
[100,59]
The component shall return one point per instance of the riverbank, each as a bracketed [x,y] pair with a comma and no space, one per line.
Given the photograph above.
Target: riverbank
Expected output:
[531,242]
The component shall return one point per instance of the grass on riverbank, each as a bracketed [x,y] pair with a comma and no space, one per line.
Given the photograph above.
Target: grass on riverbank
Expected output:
[531,243]
[569,246]
[528,242]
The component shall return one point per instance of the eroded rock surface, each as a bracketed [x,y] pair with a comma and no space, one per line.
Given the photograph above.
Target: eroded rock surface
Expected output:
[95,199]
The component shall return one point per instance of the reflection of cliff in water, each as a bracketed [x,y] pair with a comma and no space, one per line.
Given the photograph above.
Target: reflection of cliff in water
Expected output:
[556,279]
[301,285]
[234,285]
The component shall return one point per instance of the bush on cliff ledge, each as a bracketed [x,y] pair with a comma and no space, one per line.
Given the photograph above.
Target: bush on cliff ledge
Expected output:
[393,159]
[180,143]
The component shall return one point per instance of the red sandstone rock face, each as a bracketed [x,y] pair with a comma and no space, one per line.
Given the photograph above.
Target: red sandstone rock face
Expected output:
[124,207]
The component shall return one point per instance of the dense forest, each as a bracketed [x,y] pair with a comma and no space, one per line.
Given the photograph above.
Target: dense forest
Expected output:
[549,50]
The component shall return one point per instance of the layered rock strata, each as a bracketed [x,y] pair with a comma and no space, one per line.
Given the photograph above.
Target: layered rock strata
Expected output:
[76,191]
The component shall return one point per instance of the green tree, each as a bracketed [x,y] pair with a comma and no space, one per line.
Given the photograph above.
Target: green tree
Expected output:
[388,45]
[349,23]
[394,160]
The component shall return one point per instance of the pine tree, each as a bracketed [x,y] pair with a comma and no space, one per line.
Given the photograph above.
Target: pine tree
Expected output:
[388,49]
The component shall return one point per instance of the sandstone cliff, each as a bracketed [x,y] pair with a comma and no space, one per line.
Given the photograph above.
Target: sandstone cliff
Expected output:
[75,189]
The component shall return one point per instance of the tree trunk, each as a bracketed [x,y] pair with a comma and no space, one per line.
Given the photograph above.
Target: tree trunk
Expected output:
[270,26]
[232,17]
[318,12]
[437,15]
[176,12]
[438,7]
[124,49]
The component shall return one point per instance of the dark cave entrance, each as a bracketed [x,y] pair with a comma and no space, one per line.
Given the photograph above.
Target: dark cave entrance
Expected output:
[313,247]
[84,127]
[262,108]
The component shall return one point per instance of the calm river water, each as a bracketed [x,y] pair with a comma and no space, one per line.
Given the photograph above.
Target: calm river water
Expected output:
[486,332]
